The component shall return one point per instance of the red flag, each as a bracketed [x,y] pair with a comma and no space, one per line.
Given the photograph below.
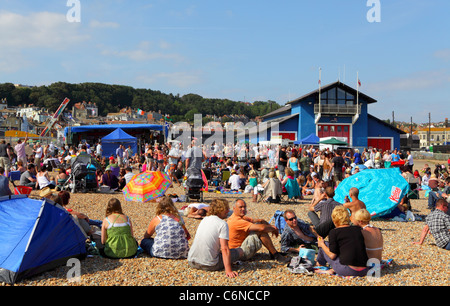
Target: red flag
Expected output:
[359,83]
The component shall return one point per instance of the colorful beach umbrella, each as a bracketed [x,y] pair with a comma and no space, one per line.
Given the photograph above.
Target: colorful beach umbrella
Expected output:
[147,186]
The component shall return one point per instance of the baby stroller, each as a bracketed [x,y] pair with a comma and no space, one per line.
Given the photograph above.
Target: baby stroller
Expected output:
[194,184]
[82,177]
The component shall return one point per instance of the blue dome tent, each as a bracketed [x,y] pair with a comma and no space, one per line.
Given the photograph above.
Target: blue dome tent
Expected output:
[118,137]
[37,236]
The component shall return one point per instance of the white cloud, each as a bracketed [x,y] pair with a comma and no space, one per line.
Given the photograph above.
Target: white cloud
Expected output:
[42,29]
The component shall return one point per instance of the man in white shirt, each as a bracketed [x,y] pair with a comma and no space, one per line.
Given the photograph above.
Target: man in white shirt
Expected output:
[410,161]
[128,175]
[38,155]
[173,155]
[98,149]
[210,251]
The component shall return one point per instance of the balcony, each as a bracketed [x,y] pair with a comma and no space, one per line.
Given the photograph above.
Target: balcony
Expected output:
[337,109]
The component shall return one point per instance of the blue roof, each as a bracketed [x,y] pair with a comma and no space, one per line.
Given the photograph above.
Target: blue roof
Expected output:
[311,139]
[87,128]
[118,135]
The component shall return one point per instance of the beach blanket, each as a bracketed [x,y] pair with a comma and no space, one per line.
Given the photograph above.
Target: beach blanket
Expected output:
[380,189]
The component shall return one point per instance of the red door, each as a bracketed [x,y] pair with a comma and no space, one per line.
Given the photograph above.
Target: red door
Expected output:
[334,130]
[379,143]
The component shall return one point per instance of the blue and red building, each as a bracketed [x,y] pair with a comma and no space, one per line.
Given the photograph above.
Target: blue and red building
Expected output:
[338,111]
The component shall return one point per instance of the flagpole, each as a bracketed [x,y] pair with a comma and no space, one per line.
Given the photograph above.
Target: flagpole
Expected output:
[320,104]
[357,92]
[320,81]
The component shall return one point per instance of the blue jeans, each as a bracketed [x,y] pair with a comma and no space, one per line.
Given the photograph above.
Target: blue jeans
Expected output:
[147,244]
[281,170]
[433,196]
[96,223]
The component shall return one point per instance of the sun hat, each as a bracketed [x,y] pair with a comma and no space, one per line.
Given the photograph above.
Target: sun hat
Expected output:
[45,192]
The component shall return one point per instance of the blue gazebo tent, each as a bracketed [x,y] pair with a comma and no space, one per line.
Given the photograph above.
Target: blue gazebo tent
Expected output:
[312,139]
[118,137]
[36,236]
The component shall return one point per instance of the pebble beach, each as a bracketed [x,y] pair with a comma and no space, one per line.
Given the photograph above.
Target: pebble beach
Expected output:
[412,265]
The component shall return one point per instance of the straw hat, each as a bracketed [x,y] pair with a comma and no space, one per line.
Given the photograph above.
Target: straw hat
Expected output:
[45,192]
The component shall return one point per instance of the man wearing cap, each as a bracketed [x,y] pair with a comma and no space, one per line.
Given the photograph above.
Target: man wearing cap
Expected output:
[434,194]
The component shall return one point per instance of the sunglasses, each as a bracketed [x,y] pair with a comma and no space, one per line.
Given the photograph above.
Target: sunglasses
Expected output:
[291,219]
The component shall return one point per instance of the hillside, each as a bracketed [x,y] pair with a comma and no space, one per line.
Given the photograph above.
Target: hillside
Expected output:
[112,98]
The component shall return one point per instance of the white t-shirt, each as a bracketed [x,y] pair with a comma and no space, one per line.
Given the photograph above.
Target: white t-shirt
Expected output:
[205,249]
[173,152]
[38,153]
[234,182]
[410,160]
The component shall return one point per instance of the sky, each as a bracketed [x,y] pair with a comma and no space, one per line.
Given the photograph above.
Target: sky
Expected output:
[242,50]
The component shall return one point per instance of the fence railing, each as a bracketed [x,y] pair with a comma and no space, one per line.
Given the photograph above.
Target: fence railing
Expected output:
[337,109]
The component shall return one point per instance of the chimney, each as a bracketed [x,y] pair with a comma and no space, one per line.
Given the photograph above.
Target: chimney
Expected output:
[446,122]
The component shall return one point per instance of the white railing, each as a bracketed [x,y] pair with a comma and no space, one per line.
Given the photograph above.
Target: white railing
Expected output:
[337,109]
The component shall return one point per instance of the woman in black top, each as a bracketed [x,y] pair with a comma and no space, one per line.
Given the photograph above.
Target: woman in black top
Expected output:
[346,251]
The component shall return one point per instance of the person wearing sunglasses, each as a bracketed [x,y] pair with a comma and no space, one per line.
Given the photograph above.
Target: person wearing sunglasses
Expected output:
[296,234]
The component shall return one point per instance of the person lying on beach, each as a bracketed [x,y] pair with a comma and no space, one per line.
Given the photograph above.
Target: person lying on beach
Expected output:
[196,210]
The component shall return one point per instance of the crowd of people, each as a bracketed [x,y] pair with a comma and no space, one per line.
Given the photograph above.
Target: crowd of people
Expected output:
[226,236]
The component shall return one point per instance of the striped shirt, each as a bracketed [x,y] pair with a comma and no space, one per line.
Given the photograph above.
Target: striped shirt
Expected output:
[326,208]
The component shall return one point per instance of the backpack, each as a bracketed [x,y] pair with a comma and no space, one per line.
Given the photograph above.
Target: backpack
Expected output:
[280,223]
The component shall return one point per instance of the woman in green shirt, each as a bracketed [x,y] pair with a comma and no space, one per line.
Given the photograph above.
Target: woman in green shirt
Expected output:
[117,233]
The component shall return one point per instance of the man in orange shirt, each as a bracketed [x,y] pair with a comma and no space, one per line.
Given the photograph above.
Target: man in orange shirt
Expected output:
[250,234]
